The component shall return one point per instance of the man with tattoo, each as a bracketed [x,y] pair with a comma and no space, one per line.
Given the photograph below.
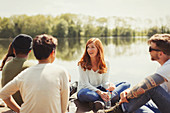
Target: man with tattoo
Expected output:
[155,87]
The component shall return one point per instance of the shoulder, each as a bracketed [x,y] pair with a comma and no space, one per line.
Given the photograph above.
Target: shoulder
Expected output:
[56,67]
[29,63]
[80,68]
[9,65]
[59,70]
[107,63]
[9,58]
[164,70]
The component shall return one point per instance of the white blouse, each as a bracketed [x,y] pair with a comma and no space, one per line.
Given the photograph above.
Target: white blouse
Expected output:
[90,79]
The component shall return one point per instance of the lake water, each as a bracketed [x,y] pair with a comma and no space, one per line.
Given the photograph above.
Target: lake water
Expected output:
[128,57]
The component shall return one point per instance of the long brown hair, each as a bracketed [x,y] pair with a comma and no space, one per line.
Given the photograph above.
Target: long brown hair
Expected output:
[9,53]
[85,61]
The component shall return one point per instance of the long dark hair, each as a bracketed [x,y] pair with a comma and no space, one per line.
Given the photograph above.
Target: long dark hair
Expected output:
[10,53]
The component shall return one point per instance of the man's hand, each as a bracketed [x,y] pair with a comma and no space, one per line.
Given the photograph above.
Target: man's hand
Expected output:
[123,96]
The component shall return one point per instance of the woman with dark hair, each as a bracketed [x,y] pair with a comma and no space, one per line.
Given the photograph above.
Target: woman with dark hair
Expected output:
[94,76]
[10,54]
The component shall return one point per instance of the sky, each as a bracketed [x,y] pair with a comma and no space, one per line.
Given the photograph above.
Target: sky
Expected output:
[99,8]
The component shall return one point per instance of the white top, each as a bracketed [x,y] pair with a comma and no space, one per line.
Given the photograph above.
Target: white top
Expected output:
[164,71]
[44,89]
[90,79]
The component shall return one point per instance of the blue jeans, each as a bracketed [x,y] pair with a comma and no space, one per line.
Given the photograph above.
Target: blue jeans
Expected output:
[87,95]
[158,95]
[149,107]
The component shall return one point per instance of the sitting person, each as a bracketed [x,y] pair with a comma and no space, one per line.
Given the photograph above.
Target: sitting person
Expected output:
[155,87]
[18,52]
[94,76]
[10,54]
[45,86]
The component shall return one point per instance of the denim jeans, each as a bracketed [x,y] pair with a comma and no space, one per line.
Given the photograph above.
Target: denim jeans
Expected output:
[149,107]
[87,95]
[158,95]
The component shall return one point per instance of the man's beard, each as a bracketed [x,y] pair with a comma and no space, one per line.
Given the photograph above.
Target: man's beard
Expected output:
[153,58]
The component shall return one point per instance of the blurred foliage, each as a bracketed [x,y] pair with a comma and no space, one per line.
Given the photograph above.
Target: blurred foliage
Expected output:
[74,26]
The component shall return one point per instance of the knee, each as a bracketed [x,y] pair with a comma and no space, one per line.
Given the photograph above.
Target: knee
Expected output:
[87,96]
[126,85]
[81,94]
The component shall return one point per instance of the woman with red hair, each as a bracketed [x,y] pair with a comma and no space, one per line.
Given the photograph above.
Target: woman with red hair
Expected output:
[94,75]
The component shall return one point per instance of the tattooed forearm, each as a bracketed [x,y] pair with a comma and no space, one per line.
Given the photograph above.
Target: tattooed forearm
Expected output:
[148,83]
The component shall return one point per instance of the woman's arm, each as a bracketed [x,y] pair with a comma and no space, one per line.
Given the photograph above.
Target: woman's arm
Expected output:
[105,80]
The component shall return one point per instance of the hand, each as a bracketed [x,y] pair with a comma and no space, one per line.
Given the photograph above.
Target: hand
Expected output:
[111,87]
[104,96]
[123,96]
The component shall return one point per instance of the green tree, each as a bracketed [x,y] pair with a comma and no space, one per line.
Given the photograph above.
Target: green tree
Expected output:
[152,31]
[6,28]
[61,29]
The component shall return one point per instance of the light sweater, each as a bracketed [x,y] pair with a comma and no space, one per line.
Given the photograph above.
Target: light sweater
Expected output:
[44,89]
[90,79]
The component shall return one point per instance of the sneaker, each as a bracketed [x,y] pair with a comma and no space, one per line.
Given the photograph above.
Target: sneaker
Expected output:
[115,109]
[73,88]
[98,105]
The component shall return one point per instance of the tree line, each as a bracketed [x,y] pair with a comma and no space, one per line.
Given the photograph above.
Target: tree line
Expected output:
[74,25]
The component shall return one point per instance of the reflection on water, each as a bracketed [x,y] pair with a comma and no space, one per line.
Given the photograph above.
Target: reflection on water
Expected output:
[129,57]
[69,49]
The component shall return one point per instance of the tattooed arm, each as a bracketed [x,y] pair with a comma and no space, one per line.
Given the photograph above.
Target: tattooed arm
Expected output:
[148,83]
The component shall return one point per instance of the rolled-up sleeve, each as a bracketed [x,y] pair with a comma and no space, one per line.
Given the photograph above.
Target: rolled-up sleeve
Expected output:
[9,89]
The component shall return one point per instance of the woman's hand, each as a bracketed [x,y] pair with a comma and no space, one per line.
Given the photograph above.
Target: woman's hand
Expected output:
[103,95]
[111,87]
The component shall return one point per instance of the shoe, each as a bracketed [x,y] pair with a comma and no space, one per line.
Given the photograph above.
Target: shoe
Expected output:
[91,105]
[73,88]
[115,109]
[98,105]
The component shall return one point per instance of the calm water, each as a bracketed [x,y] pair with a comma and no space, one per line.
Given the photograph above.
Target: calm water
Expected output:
[129,57]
